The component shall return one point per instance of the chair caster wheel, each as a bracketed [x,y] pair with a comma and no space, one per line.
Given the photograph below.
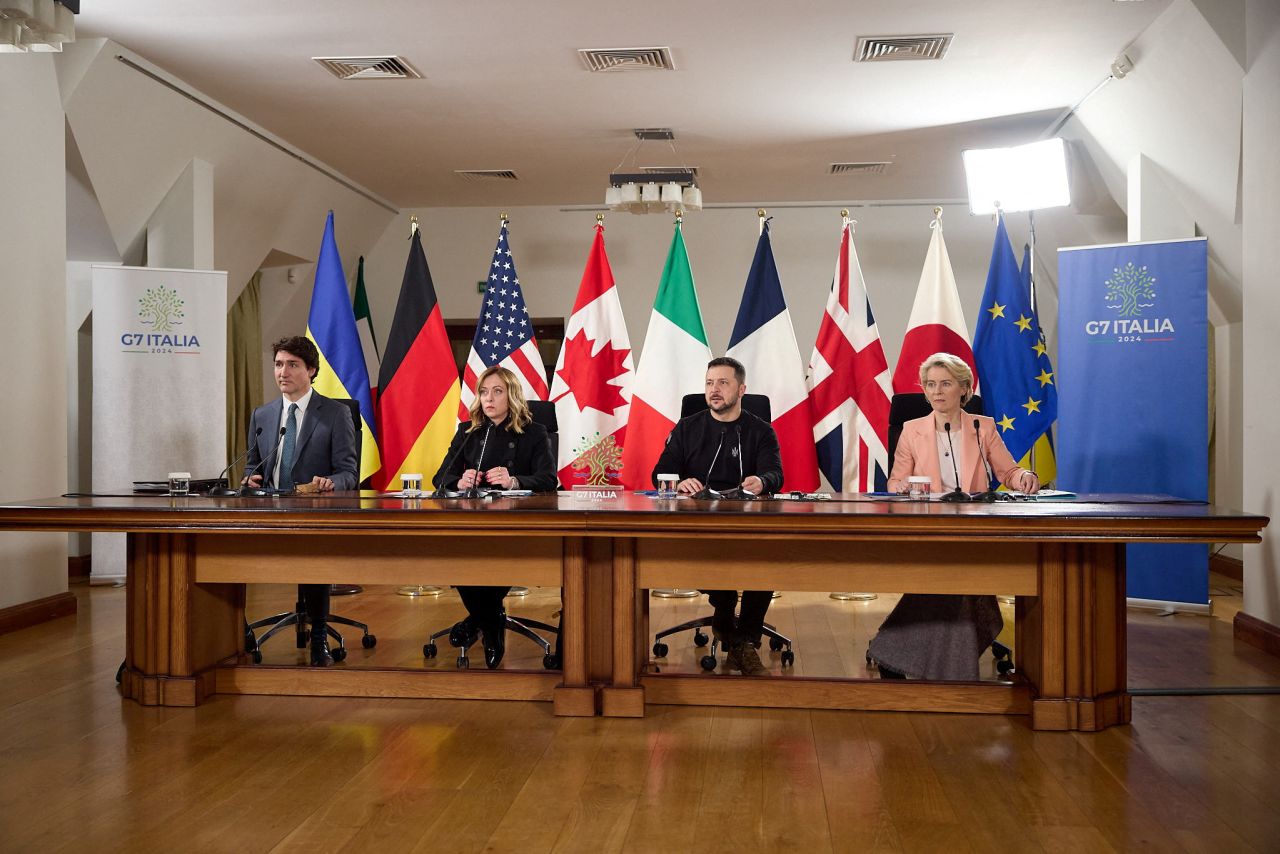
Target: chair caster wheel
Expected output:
[369,641]
[660,650]
[700,640]
[708,662]
[550,662]
[429,650]
[339,654]
[464,663]
[1004,667]
[257,656]
[775,644]
[788,658]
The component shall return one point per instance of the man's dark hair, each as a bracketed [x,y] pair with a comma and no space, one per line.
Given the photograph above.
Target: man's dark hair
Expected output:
[739,372]
[300,346]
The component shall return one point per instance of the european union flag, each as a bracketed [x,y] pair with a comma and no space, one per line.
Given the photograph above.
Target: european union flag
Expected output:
[1018,386]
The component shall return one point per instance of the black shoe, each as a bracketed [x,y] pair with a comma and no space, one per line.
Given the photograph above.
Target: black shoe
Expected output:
[463,633]
[495,642]
[320,655]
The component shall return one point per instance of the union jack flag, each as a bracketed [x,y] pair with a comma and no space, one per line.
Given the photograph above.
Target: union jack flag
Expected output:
[504,334]
[849,383]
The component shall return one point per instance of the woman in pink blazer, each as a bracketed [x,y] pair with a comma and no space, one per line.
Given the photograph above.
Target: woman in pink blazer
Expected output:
[930,636]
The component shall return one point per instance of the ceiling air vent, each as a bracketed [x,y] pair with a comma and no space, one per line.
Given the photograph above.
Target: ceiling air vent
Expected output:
[892,48]
[875,167]
[627,58]
[486,174]
[368,67]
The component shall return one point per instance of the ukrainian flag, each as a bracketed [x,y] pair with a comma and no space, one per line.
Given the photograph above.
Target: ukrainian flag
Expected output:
[331,325]
[1018,387]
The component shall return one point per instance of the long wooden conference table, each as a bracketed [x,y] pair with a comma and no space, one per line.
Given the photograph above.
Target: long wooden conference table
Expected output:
[189,559]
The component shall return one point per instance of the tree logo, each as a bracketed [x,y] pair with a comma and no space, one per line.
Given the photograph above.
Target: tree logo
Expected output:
[598,458]
[1130,289]
[161,309]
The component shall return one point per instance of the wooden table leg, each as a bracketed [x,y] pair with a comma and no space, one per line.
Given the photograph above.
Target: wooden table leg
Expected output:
[1071,638]
[176,630]
[623,697]
[574,696]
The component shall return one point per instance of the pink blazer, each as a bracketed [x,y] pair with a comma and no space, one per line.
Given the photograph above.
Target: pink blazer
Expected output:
[917,454]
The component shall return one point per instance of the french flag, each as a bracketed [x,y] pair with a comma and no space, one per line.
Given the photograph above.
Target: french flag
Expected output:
[765,342]
[937,321]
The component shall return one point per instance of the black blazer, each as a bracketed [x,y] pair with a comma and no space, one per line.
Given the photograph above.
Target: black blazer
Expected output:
[326,445]
[526,455]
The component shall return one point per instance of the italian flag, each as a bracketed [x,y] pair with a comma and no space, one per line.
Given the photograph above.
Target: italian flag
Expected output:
[673,364]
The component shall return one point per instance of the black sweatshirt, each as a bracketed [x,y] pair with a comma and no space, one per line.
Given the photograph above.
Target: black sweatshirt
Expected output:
[750,447]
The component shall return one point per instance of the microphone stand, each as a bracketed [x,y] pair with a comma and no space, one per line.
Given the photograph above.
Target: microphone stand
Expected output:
[707,493]
[742,490]
[440,491]
[262,491]
[227,491]
[474,490]
[957,494]
[990,496]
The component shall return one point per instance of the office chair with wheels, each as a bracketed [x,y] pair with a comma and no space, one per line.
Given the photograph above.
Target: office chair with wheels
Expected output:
[297,618]
[757,405]
[907,407]
[544,413]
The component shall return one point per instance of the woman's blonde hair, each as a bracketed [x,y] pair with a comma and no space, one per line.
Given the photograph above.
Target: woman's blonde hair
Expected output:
[517,408]
[955,366]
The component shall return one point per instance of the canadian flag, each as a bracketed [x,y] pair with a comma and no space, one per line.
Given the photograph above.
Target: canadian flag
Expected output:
[764,341]
[592,384]
[937,320]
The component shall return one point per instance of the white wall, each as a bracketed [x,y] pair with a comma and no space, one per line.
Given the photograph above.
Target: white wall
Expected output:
[32,303]
[1262,303]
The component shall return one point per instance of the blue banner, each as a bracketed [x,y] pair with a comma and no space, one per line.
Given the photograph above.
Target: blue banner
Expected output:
[1133,390]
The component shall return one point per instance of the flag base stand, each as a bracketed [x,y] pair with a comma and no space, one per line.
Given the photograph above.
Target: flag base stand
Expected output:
[855,597]
[345,589]
[777,594]
[518,591]
[420,590]
[673,593]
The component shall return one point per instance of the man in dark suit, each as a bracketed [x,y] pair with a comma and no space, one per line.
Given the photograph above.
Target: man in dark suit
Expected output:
[303,440]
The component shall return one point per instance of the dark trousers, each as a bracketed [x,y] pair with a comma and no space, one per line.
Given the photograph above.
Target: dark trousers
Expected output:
[315,598]
[750,622]
[484,604]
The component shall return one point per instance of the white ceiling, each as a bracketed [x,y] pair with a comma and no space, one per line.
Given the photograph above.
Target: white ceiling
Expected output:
[764,98]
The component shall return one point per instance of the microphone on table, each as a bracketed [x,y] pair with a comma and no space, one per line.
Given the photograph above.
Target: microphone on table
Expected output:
[260,491]
[989,496]
[956,494]
[227,491]
[705,492]
[441,491]
[474,490]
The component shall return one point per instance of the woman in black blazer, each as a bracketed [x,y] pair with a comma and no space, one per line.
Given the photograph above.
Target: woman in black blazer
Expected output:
[499,448]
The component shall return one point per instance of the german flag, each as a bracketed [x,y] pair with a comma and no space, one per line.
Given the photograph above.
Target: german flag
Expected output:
[418,388]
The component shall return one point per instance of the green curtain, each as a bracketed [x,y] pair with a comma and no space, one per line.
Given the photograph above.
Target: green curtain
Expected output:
[244,369]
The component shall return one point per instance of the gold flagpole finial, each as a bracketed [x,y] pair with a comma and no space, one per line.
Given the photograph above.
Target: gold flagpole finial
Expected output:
[760,212]
[937,213]
[600,219]
[844,213]
[413,225]
[502,217]
[679,216]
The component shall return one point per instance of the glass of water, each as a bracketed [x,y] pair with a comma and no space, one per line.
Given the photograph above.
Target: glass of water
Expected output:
[667,485]
[411,485]
[179,483]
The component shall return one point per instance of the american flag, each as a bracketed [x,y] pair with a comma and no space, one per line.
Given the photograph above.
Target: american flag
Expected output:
[849,383]
[504,333]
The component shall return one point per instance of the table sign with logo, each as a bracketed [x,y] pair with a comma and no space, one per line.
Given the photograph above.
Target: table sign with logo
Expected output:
[159,382]
[1133,391]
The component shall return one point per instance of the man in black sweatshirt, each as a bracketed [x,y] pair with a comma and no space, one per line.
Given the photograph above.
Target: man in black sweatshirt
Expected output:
[723,448]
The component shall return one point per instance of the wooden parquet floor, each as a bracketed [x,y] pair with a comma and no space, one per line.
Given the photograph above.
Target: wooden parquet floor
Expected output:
[80,769]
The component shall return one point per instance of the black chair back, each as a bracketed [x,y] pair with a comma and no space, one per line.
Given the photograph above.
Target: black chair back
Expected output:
[756,404]
[354,406]
[544,413]
[911,405]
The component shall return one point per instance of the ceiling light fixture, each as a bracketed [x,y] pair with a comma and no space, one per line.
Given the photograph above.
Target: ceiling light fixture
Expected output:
[641,189]
[39,26]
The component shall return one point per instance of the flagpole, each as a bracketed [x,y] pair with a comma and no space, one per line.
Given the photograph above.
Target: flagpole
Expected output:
[760,212]
[846,595]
